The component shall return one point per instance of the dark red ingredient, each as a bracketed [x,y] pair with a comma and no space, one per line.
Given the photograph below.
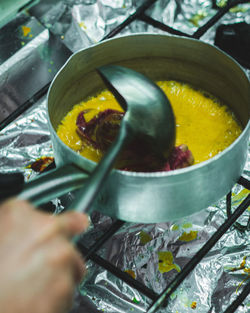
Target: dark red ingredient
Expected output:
[180,157]
[109,124]
[41,164]
[101,131]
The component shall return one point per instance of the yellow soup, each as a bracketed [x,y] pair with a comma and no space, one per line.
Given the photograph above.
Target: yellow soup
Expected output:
[202,123]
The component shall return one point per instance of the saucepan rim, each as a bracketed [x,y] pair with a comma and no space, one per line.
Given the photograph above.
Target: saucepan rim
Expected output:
[176,172]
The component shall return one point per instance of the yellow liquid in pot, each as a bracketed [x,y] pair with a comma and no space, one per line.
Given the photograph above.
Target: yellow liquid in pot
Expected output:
[202,123]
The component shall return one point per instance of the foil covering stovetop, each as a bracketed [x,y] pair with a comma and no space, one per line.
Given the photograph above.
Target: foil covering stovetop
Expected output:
[152,253]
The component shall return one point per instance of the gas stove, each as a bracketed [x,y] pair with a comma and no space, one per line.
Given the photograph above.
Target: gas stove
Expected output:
[200,263]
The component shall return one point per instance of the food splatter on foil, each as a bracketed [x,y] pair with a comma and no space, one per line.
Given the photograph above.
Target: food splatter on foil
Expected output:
[152,253]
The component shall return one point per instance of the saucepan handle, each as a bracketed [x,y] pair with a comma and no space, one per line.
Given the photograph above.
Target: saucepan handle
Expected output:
[44,188]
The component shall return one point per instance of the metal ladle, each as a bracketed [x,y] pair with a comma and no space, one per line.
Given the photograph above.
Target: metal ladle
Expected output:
[149,119]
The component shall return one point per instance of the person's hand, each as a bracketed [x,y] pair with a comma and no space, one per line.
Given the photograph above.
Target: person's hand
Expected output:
[39,267]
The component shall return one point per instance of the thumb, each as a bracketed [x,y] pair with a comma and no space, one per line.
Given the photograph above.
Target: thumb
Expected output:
[71,223]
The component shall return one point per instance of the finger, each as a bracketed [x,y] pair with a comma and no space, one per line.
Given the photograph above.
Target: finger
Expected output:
[16,204]
[67,224]
[64,256]
[72,223]
[60,296]
[79,268]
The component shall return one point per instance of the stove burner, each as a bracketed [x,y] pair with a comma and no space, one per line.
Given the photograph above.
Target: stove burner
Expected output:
[227,39]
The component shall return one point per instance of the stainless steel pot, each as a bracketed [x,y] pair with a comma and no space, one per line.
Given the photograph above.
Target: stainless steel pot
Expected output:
[156,197]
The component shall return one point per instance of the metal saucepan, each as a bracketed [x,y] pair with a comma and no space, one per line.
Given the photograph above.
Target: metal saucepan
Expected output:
[151,197]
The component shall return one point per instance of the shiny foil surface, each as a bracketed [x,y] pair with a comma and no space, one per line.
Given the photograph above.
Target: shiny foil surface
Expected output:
[152,253]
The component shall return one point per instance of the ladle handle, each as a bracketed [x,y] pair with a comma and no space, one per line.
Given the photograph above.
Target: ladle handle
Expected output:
[86,195]
[53,184]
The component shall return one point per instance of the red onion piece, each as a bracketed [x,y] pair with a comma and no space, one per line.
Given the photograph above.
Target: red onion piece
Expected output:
[101,131]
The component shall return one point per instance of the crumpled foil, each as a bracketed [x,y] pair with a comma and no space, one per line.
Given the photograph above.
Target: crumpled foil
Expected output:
[152,253]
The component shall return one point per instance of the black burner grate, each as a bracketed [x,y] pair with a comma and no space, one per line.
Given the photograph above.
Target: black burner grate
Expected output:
[140,14]
[162,299]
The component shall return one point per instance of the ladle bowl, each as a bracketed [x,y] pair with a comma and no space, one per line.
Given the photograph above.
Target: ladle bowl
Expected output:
[149,122]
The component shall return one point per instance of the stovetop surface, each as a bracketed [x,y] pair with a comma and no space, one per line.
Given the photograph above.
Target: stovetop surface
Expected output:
[33,47]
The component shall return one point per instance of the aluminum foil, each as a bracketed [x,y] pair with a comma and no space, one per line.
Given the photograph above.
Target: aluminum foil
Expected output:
[152,253]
